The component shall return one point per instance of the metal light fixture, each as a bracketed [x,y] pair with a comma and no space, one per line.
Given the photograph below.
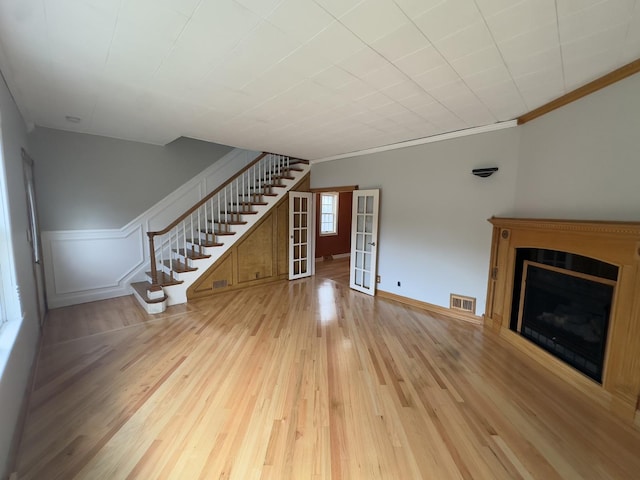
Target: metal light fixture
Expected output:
[484,172]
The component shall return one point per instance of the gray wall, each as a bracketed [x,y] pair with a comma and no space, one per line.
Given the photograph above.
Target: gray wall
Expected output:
[19,337]
[433,232]
[91,182]
[578,162]
[583,160]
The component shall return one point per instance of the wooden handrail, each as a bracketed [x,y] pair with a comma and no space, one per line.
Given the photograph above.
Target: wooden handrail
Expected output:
[207,198]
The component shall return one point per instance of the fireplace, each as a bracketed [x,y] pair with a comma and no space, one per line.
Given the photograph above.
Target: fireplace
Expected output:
[567,293]
[563,305]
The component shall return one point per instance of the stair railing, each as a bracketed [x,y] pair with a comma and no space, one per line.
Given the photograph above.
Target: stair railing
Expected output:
[195,229]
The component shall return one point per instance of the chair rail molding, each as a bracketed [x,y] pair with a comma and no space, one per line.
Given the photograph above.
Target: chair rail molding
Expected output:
[88,265]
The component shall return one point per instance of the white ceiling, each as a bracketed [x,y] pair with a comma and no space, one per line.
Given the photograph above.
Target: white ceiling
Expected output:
[310,78]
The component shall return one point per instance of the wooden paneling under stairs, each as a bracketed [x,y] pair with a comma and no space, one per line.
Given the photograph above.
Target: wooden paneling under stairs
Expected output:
[304,380]
[261,256]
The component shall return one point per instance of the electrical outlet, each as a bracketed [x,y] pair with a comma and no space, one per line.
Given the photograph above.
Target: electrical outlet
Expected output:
[398,282]
[378,279]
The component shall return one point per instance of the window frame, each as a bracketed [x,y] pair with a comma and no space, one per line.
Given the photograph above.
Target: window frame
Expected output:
[336,201]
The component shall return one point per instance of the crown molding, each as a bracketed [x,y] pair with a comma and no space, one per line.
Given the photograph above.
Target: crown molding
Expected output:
[421,141]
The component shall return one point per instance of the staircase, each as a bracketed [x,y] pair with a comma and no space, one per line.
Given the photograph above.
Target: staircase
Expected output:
[185,249]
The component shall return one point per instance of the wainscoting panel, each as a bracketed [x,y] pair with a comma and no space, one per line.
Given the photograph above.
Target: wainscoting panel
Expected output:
[88,265]
[77,265]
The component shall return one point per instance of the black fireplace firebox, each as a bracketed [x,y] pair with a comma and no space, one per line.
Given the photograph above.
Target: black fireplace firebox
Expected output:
[562,304]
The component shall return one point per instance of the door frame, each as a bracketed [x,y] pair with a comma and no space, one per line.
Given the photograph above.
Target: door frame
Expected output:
[338,190]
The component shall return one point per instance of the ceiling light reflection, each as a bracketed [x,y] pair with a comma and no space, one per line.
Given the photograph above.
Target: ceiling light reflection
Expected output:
[326,303]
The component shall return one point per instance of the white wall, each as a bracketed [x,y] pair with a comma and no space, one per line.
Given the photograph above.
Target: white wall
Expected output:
[433,233]
[91,182]
[19,337]
[583,160]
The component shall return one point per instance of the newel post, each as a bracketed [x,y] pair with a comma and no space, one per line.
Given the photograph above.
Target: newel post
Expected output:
[152,259]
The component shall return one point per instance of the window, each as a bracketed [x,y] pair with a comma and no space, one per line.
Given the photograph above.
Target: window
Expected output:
[329,213]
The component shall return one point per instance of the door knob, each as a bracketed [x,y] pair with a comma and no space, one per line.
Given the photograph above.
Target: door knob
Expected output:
[373,244]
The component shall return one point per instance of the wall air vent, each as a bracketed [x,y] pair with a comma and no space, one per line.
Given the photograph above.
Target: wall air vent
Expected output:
[220,284]
[462,303]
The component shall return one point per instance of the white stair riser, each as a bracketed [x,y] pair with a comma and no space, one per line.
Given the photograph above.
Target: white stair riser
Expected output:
[151,308]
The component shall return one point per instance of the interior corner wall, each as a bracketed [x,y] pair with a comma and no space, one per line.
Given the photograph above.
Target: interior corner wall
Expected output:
[434,237]
[91,182]
[581,161]
[19,337]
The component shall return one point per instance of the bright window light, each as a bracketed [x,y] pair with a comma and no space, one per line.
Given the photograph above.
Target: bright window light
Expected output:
[329,213]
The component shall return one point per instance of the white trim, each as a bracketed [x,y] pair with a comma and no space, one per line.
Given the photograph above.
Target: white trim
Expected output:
[11,308]
[422,141]
[119,256]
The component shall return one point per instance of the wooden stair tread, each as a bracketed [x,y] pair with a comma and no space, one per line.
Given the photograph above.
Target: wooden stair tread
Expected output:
[257,195]
[233,222]
[141,289]
[267,185]
[204,243]
[165,280]
[179,267]
[216,232]
[279,177]
[298,161]
[191,254]
[248,203]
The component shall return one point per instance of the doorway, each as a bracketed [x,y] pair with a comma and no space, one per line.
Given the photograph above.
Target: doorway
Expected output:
[335,239]
[333,232]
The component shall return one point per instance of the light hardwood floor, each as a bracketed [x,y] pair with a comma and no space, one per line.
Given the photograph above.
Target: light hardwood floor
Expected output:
[303,380]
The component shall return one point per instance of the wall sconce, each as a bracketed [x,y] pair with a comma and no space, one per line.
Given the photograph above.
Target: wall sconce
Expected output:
[484,172]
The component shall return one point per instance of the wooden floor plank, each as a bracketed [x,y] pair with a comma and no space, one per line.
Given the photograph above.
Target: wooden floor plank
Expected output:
[303,380]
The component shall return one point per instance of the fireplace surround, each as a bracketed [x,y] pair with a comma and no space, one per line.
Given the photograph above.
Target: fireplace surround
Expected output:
[567,293]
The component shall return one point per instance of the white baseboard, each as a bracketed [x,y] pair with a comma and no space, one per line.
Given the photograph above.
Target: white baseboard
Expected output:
[88,265]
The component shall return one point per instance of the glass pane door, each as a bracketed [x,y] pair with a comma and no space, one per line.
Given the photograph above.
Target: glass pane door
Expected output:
[301,235]
[364,238]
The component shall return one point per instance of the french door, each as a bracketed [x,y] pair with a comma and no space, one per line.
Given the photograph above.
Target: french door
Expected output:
[364,241]
[301,235]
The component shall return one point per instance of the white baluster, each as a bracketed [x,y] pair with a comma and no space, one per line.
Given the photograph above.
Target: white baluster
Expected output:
[218,197]
[213,213]
[175,242]
[184,238]
[159,270]
[199,225]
